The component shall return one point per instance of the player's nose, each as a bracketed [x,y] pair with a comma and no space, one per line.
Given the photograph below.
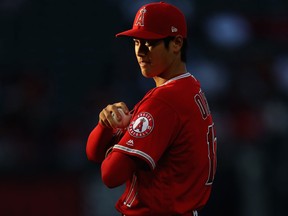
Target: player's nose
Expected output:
[142,50]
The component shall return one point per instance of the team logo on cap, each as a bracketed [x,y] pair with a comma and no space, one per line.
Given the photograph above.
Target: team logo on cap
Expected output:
[142,126]
[140,18]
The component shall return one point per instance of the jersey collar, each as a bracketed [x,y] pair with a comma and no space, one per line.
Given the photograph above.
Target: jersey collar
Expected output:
[185,75]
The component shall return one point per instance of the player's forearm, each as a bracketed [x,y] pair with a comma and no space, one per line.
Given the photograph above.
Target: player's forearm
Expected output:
[117,168]
[98,142]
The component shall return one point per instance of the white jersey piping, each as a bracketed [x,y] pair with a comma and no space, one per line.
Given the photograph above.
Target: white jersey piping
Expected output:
[185,75]
[137,152]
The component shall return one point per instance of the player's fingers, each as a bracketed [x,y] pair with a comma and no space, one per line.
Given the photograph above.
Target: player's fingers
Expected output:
[107,117]
[113,110]
[108,114]
[103,120]
[123,106]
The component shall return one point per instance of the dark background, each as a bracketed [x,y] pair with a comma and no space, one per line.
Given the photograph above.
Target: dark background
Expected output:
[60,64]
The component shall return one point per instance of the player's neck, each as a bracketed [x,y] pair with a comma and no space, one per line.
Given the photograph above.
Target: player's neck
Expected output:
[169,74]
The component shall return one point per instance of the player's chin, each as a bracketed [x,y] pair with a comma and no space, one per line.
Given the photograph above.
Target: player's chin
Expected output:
[146,73]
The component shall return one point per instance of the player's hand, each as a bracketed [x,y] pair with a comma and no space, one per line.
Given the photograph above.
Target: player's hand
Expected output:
[106,118]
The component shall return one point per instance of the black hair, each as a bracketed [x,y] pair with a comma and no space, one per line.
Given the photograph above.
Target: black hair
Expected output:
[183,48]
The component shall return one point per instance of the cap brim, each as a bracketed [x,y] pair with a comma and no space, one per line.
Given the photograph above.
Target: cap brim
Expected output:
[141,34]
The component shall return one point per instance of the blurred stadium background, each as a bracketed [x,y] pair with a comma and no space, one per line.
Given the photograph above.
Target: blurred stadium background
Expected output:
[60,64]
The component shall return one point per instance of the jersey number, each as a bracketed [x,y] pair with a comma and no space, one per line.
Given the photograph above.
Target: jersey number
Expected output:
[202,103]
[212,147]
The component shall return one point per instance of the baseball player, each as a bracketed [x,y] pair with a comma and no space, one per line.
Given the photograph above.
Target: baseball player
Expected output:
[166,154]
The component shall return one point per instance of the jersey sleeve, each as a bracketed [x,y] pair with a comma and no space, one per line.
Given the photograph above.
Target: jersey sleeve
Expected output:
[100,140]
[153,128]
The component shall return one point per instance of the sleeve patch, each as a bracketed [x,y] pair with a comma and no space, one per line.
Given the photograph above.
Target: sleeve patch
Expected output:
[142,126]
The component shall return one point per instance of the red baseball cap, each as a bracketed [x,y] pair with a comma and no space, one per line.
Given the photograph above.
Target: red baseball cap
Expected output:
[156,21]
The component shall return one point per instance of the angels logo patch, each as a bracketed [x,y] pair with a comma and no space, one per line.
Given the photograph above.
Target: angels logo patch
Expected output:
[142,126]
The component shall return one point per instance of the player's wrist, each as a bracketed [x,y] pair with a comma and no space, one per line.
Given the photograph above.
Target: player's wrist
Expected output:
[104,126]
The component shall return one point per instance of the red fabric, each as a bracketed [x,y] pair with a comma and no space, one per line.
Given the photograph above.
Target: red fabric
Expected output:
[116,169]
[172,131]
[97,143]
[155,21]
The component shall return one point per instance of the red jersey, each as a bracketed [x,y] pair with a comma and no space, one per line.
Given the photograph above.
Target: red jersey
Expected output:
[173,132]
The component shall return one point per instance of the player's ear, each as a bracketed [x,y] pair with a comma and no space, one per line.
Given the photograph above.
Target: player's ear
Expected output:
[177,43]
